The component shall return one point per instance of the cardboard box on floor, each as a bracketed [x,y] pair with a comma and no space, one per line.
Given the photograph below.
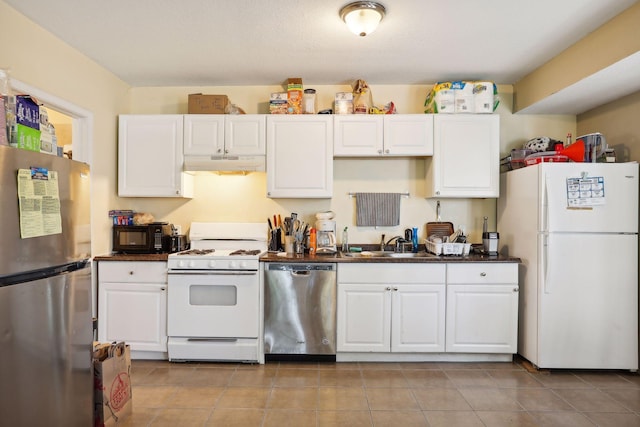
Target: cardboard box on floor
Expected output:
[207,104]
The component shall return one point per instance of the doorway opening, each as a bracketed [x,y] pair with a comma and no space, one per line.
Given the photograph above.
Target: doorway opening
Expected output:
[74,123]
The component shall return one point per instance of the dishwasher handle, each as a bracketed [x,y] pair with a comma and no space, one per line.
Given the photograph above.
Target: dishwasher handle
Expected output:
[300,272]
[301,269]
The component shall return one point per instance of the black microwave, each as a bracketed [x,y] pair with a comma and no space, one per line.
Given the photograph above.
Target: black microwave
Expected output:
[153,238]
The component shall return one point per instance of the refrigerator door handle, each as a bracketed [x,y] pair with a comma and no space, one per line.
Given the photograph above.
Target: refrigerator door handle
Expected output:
[544,205]
[43,273]
[543,265]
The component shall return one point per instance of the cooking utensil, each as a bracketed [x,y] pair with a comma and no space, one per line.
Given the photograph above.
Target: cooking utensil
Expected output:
[439,228]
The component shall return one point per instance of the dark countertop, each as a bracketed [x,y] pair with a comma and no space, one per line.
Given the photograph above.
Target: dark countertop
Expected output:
[273,257]
[131,257]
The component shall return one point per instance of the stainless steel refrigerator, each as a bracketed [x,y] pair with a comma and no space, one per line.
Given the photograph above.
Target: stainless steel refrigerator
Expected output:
[46,327]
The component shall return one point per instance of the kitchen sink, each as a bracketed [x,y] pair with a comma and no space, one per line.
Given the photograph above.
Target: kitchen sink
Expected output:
[386,254]
[365,254]
[409,255]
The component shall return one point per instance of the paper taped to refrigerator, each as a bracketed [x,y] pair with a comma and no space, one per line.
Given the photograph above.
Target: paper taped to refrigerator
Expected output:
[39,201]
[585,192]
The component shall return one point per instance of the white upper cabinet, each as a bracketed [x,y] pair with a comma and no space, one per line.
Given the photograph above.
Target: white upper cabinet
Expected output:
[203,134]
[357,135]
[220,135]
[383,135]
[466,156]
[300,156]
[150,157]
[408,134]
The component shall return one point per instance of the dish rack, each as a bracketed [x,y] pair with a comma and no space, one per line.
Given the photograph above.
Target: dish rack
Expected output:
[448,248]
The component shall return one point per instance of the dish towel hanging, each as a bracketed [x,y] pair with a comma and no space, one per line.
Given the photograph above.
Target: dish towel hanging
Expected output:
[378,209]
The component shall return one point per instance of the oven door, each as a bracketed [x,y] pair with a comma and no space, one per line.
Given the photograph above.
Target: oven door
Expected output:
[213,304]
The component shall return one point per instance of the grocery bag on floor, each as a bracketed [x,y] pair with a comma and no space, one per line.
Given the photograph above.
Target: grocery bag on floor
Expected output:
[112,383]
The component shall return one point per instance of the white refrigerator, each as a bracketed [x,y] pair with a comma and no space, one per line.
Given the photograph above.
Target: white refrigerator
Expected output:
[575,227]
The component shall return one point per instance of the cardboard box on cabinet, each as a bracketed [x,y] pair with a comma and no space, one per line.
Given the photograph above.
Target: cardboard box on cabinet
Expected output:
[207,104]
[294,95]
[27,111]
[279,103]
[27,138]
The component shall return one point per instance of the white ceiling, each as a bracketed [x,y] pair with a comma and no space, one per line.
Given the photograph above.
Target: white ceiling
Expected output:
[262,42]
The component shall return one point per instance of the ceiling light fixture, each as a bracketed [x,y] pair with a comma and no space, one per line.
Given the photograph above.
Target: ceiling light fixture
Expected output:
[362,17]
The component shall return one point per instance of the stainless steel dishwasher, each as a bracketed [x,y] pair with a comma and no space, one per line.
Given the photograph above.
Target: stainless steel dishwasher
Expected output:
[300,310]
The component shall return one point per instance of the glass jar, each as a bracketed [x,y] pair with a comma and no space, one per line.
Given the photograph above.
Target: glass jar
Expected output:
[309,102]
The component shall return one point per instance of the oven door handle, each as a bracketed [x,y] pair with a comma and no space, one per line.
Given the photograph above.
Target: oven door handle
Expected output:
[213,273]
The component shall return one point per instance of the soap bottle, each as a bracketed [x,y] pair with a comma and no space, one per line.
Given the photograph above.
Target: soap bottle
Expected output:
[313,242]
[414,239]
[345,240]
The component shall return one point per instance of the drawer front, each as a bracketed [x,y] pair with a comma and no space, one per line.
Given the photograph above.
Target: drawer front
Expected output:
[391,273]
[482,272]
[131,271]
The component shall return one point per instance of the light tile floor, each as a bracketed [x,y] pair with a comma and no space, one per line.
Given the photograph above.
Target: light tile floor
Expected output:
[378,394]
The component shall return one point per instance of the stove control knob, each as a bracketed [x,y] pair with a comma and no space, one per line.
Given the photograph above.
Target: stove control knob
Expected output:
[192,264]
[181,263]
[243,265]
[233,264]
[212,263]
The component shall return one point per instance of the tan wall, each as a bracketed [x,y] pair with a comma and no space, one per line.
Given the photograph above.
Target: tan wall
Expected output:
[612,42]
[619,122]
[40,60]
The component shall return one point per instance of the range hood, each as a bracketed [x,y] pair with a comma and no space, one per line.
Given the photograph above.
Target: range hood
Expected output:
[224,163]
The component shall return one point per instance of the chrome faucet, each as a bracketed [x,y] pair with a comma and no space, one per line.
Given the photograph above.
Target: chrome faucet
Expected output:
[399,241]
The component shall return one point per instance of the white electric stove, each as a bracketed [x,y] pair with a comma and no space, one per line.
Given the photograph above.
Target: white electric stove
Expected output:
[214,298]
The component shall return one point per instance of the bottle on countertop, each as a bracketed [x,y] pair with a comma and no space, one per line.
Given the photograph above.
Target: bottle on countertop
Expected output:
[313,242]
[569,140]
[414,239]
[345,240]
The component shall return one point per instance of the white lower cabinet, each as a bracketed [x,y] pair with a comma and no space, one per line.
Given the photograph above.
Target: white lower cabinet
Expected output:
[445,311]
[482,308]
[391,308]
[132,306]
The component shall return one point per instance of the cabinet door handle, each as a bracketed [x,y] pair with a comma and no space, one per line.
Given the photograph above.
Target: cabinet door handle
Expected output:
[515,289]
[483,274]
[219,150]
[379,151]
[395,289]
[386,151]
[162,289]
[388,288]
[131,273]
